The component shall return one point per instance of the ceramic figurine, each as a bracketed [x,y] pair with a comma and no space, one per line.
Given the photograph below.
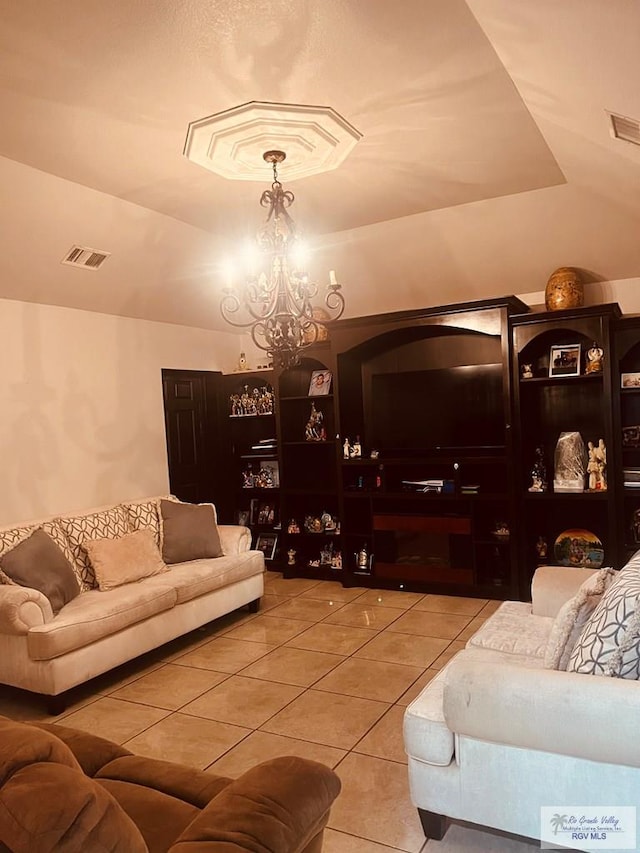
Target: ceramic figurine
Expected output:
[539,473]
[291,557]
[356,449]
[594,359]
[526,371]
[346,449]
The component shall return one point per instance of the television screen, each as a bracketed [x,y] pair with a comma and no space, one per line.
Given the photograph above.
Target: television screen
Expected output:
[456,407]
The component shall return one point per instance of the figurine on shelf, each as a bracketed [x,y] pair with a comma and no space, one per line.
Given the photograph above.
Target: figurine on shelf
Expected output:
[541,549]
[526,371]
[362,560]
[592,467]
[356,449]
[601,456]
[293,526]
[346,449]
[291,557]
[328,522]
[336,560]
[326,555]
[539,472]
[595,356]
[315,431]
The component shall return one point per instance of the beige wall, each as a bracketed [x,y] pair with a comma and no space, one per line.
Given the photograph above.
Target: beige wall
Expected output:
[82,414]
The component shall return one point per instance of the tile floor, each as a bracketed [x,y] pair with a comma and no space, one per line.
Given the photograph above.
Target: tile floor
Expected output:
[321,672]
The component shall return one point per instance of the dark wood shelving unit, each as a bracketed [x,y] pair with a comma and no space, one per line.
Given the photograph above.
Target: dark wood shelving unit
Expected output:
[546,406]
[439,394]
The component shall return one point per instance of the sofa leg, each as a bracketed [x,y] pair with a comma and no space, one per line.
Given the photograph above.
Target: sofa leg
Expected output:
[254,605]
[56,704]
[433,825]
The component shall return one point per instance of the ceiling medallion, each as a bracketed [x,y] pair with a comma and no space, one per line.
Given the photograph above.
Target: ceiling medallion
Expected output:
[231,143]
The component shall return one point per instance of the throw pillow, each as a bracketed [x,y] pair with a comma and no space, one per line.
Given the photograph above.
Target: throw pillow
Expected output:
[610,641]
[37,562]
[130,558]
[111,523]
[573,616]
[190,532]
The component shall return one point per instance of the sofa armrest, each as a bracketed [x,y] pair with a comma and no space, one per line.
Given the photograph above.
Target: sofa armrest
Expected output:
[553,585]
[279,806]
[234,538]
[22,608]
[585,716]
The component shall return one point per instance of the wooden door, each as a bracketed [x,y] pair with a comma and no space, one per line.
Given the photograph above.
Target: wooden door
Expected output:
[190,408]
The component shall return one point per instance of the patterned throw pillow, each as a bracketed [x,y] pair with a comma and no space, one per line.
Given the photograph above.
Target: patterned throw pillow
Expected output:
[105,524]
[145,515]
[573,616]
[14,536]
[610,641]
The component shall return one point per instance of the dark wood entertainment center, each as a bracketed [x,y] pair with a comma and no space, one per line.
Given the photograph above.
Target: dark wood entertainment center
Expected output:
[442,395]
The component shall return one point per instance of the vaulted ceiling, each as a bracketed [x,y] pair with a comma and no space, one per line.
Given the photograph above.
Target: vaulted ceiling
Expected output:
[486,158]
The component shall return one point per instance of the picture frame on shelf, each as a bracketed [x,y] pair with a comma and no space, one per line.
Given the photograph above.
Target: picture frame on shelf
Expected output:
[320,383]
[254,509]
[564,360]
[242,517]
[266,513]
[630,380]
[267,544]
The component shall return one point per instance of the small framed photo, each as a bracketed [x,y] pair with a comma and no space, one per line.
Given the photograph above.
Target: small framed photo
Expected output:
[630,380]
[267,544]
[564,360]
[242,517]
[320,383]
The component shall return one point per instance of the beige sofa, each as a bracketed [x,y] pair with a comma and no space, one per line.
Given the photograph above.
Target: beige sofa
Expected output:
[498,733]
[98,630]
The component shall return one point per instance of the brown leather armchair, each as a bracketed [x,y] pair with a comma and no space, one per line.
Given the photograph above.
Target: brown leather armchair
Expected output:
[64,790]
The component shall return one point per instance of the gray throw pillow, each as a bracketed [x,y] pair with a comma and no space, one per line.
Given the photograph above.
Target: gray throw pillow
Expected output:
[38,563]
[190,532]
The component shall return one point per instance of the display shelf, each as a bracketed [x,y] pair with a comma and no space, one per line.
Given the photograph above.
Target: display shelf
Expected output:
[546,406]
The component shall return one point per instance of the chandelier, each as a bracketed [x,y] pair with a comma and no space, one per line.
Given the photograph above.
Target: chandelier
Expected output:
[275,303]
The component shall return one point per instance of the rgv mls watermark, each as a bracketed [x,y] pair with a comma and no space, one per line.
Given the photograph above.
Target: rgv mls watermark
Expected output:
[610,828]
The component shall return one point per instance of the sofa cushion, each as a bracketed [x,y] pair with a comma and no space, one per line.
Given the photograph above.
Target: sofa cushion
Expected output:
[573,616]
[190,532]
[95,614]
[610,641]
[69,812]
[106,523]
[38,563]
[427,736]
[120,561]
[513,629]
[198,577]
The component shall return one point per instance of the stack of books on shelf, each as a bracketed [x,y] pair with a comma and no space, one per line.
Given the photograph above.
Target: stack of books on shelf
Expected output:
[471,489]
[631,478]
[265,445]
[437,486]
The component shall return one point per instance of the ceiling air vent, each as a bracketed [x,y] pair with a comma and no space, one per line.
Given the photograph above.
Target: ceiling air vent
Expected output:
[625,128]
[90,259]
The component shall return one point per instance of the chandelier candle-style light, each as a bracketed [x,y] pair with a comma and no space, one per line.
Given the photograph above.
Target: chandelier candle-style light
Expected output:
[276,301]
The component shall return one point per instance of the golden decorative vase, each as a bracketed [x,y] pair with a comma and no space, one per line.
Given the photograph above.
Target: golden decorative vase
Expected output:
[564,290]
